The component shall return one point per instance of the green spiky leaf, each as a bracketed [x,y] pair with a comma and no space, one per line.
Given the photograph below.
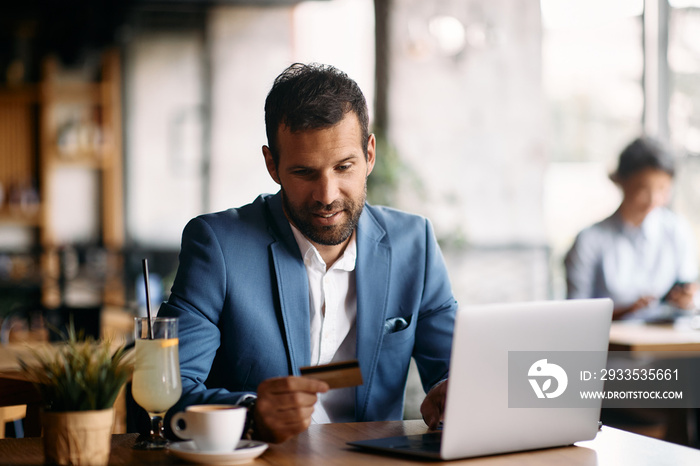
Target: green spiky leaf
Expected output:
[78,374]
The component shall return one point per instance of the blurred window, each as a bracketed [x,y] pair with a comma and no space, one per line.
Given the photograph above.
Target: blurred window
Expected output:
[593,65]
[592,72]
[684,65]
[684,104]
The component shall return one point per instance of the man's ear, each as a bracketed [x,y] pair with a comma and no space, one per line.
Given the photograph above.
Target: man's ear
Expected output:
[371,153]
[270,164]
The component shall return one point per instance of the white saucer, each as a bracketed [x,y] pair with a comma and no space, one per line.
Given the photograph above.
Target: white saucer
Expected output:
[246,451]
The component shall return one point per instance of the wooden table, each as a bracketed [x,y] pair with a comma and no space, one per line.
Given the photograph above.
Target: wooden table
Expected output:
[662,341]
[326,445]
[637,337]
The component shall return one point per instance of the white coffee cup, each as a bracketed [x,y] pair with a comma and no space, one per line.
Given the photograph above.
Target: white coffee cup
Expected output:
[215,428]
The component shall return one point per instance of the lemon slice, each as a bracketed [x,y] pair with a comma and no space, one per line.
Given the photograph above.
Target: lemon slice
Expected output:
[169,342]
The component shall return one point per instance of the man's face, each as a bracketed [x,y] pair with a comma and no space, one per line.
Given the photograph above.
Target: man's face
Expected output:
[323,176]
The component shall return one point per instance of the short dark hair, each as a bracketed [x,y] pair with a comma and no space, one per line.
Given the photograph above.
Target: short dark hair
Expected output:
[642,153]
[312,96]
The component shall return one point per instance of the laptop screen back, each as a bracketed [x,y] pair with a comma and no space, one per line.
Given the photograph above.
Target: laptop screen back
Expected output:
[478,420]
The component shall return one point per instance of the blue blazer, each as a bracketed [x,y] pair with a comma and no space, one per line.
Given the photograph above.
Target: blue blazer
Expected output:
[242,299]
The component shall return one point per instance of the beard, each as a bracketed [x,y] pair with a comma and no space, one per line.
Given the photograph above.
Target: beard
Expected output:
[302,217]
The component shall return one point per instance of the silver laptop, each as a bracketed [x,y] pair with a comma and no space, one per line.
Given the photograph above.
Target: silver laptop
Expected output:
[489,342]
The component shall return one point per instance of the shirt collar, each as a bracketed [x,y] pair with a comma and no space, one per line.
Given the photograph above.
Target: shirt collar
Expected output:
[647,229]
[651,224]
[310,254]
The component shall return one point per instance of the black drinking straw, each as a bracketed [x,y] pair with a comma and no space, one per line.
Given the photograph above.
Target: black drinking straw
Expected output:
[144,262]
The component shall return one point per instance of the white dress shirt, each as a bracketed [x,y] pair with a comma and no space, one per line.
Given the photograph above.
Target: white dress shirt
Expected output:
[333,308]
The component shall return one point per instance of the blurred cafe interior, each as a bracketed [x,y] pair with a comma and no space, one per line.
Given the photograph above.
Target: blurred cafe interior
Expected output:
[499,120]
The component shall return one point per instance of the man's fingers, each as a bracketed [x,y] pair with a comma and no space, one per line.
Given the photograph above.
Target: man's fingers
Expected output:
[434,405]
[285,406]
[290,392]
[431,414]
[291,417]
[286,401]
[287,417]
[282,427]
[293,384]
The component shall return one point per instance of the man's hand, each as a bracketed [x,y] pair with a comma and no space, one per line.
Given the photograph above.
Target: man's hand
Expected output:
[433,406]
[284,407]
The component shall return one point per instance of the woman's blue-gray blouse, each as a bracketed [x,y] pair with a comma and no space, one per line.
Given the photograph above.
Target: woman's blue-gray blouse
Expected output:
[617,260]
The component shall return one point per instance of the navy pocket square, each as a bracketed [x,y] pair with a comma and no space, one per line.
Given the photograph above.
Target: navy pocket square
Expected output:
[395,324]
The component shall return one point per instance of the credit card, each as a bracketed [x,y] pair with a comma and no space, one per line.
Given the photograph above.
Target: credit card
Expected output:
[336,374]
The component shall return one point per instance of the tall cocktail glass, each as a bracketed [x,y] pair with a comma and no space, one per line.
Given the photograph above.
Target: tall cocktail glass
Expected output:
[156,385]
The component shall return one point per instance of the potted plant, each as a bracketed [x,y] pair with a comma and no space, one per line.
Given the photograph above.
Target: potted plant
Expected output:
[79,380]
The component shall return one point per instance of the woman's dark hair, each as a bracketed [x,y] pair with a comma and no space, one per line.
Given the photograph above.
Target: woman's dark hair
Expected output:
[642,153]
[312,96]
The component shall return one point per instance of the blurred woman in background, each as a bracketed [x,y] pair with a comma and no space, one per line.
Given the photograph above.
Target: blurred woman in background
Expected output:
[643,256]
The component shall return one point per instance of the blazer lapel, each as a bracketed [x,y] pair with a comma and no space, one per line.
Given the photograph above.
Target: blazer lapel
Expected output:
[372,279]
[292,287]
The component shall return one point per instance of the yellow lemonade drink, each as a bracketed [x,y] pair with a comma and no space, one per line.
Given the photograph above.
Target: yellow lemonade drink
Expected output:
[156,385]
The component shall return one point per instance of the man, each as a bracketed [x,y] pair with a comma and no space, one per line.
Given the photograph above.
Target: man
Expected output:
[312,275]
